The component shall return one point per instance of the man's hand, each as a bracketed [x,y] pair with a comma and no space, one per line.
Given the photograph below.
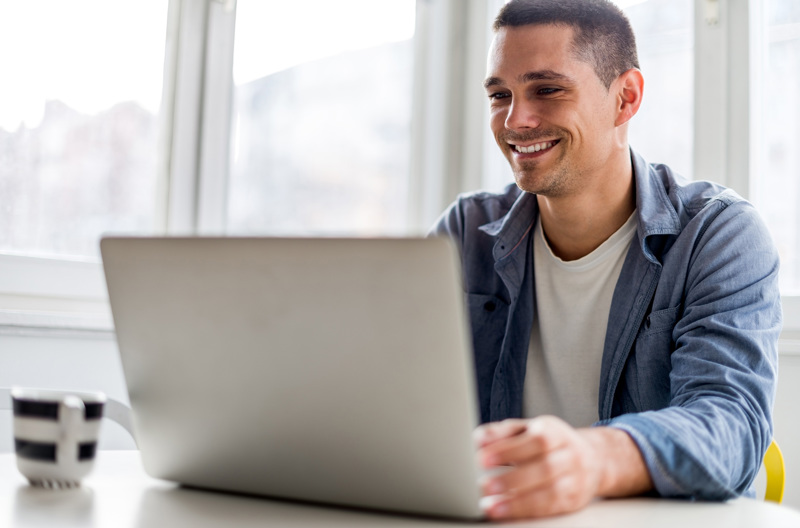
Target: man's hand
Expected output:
[555,468]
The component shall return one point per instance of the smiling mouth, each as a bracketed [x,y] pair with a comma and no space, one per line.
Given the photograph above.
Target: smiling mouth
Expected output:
[536,147]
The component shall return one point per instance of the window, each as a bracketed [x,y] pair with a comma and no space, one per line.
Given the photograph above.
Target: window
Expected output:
[366,128]
[321,129]
[663,131]
[78,122]
[776,185]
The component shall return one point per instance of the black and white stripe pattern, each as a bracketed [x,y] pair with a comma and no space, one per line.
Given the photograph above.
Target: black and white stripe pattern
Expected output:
[46,451]
[49,410]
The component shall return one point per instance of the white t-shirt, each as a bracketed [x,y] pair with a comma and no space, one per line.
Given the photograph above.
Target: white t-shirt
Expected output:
[573,300]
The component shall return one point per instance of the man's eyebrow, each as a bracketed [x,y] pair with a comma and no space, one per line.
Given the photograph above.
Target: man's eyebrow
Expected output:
[545,75]
[539,75]
[492,81]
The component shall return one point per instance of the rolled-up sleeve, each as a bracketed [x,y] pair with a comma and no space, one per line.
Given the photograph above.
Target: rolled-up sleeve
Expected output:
[709,441]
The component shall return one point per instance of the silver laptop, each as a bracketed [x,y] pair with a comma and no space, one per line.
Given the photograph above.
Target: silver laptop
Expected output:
[327,370]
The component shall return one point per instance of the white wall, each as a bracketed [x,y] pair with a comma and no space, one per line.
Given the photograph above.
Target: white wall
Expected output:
[787,426]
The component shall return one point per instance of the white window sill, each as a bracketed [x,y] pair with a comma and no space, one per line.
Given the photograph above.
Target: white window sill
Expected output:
[56,324]
[53,297]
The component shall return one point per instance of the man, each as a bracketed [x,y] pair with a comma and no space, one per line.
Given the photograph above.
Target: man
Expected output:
[640,308]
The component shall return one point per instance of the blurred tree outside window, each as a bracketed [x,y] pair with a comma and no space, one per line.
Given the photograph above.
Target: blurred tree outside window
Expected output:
[78,122]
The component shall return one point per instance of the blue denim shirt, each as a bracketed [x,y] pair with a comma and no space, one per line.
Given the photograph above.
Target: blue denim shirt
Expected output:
[690,357]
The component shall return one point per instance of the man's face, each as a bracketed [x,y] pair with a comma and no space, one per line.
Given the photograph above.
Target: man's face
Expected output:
[550,113]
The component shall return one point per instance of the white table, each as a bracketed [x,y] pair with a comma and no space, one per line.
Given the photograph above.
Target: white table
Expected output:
[118,494]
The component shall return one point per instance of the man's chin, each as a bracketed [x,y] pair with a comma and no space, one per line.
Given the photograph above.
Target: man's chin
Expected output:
[528,188]
[529,181]
[539,183]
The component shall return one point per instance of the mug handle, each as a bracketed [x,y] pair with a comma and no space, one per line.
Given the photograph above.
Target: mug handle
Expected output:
[70,412]
[114,410]
[118,412]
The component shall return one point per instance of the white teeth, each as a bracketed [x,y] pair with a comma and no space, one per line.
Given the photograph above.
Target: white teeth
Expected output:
[535,147]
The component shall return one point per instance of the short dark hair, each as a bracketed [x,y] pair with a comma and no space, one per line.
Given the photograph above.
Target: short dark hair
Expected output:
[603,35]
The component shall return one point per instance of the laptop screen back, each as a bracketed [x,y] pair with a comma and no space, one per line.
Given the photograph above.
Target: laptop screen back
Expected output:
[332,370]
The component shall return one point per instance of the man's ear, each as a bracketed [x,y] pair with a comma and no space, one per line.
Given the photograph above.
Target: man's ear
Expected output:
[629,87]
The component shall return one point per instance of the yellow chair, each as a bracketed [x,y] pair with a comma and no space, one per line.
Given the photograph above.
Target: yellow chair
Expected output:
[776,473]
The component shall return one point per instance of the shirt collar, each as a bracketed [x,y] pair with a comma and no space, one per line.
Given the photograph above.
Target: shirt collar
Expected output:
[512,228]
[657,215]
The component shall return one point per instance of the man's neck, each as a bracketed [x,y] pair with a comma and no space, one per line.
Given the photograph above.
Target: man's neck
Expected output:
[578,223]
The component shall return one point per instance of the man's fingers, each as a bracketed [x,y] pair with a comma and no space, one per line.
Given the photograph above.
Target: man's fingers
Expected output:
[561,496]
[553,470]
[516,450]
[492,432]
[530,439]
[541,471]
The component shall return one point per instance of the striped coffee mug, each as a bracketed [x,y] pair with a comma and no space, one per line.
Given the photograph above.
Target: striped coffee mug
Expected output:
[55,434]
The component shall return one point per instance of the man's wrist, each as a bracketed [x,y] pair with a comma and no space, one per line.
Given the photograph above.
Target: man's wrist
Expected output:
[623,472]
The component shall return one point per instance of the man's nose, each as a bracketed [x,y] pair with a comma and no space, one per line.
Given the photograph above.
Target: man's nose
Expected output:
[522,114]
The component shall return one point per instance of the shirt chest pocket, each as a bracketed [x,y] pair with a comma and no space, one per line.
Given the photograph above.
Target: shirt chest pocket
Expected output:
[651,362]
[488,316]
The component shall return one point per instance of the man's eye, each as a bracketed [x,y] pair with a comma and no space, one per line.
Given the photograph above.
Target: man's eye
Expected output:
[497,96]
[548,91]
